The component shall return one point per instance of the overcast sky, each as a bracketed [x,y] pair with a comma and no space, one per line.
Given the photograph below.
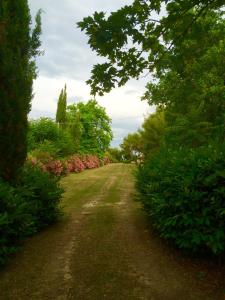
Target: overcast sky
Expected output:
[68,59]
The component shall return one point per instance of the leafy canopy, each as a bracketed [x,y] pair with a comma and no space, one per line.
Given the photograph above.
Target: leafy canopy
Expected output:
[152,133]
[90,123]
[131,147]
[137,37]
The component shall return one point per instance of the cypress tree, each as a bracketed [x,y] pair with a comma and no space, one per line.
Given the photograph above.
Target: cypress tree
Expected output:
[18,47]
[61,107]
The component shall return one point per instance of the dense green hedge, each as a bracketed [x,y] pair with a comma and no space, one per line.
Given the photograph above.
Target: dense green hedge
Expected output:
[26,207]
[183,192]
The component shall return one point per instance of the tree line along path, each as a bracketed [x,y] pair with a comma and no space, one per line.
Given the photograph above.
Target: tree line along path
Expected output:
[104,248]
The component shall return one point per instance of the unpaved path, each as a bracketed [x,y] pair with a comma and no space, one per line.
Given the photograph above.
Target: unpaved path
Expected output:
[104,249]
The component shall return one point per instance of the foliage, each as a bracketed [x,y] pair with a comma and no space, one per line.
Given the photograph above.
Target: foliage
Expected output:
[147,141]
[45,136]
[14,220]
[183,193]
[54,167]
[86,131]
[19,46]
[42,192]
[64,144]
[190,85]
[115,155]
[133,41]
[90,161]
[152,133]
[61,108]
[182,188]
[131,147]
[45,148]
[26,207]
[94,131]
[182,181]
[74,125]
[75,164]
[43,129]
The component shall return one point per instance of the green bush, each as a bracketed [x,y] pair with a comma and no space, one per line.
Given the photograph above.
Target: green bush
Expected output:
[42,193]
[41,130]
[15,221]
[45,136]
[183,192]
[25,208]
[114,154]
[47,148]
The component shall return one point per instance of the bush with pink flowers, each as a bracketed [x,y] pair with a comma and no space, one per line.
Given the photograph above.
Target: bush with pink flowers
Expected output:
[74,164]
[54,167]
[91,161]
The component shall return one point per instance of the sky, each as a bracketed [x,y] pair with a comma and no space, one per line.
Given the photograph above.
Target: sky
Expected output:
[68,60]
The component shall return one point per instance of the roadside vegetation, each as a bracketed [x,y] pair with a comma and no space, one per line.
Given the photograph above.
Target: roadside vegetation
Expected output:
[181,179]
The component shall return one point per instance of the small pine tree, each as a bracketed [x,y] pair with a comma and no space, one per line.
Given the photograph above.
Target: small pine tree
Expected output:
[61,107]
[18,48]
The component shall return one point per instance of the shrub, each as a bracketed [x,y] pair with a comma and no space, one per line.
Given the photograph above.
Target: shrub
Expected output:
[29,205]
[42,156]
[41,130]
[42,193]
[75,164]
[15,221]
[46,148]
[54,167]
[183,192]
[90,161]
[45,136]
[46,163]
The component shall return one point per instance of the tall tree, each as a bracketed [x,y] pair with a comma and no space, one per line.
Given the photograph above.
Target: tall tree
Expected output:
[93,126]
[152,133]
[131,147]
[61,107]
[190,84]
[74,125]
[19,46]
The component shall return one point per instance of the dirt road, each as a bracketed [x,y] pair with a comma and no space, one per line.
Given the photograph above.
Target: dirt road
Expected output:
[104,249]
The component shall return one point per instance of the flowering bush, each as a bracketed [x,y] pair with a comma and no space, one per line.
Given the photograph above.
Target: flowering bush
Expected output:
[75,164]
[91,161]
[54,167]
